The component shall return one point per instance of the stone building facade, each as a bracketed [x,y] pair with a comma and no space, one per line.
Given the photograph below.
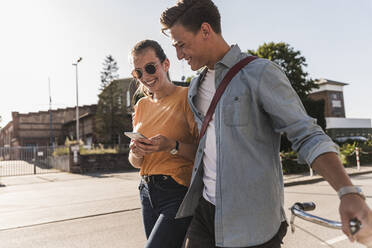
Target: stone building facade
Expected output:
[45,127]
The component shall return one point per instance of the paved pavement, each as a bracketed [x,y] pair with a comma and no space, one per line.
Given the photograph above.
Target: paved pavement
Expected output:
[289,180]
[305,178]
[59,200]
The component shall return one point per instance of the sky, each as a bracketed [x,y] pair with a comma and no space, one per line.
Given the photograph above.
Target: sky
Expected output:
[40,39]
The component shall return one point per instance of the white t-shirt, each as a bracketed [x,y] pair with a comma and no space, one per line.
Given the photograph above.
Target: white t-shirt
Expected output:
[206,91]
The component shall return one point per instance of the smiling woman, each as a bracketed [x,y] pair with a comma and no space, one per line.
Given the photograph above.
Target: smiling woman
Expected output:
[166,156]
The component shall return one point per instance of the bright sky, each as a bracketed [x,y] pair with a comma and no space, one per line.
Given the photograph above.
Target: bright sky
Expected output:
[42,38]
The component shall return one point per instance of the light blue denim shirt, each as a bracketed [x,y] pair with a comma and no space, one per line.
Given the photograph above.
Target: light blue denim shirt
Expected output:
[258,105]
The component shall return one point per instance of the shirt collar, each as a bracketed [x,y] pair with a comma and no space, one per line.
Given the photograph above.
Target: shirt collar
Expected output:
[231,57]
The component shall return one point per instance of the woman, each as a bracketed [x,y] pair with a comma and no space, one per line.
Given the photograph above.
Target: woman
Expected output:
[165,157]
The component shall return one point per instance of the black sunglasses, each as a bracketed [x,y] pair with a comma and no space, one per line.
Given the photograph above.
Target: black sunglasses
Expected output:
[150,68]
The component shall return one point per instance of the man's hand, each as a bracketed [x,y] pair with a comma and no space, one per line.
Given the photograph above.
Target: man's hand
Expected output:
[353,206]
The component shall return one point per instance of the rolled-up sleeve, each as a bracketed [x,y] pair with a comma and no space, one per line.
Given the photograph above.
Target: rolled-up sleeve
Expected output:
[284,107]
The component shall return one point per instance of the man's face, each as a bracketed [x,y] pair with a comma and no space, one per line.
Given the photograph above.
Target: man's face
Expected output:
[189,46]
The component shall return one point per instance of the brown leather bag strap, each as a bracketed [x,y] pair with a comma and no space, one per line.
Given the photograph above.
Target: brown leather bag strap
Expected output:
[221,88]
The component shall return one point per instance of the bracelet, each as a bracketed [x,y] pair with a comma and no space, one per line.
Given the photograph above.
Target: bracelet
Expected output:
[350,190]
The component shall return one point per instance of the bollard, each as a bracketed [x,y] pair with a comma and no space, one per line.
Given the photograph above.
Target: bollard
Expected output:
[357,158]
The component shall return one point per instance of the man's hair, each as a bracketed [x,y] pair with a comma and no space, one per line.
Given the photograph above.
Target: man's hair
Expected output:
[191,14]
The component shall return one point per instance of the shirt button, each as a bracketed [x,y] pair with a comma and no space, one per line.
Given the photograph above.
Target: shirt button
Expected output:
[200,150]
[236,98]
[195,169]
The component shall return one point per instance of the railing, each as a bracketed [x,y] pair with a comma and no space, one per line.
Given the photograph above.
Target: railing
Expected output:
[16,161]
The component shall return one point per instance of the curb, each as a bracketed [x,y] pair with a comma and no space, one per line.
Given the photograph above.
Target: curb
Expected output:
[320,179]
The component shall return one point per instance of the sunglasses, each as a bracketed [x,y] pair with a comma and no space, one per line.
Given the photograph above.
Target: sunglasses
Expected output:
[150,68]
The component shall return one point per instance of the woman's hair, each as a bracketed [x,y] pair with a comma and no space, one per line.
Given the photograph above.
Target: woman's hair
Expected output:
[191,14]
[144,44]
[160,54]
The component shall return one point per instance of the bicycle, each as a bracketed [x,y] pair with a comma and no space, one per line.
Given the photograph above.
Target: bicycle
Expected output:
[300,210]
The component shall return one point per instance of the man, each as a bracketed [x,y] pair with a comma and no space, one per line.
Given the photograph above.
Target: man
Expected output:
[236,191]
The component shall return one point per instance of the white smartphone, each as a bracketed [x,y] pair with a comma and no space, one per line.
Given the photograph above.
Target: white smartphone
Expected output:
[134,135]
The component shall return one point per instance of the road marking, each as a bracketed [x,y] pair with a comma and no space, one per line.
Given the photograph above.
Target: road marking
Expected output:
[335,240]
[70,219]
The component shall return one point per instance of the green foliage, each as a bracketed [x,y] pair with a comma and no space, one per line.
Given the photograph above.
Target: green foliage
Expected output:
[348,156]
[109,72]
[100,149]
[290,165]
[291,62]
[60,151]
[111,109]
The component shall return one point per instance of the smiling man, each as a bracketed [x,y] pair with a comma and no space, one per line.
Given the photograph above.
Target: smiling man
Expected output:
[236,192]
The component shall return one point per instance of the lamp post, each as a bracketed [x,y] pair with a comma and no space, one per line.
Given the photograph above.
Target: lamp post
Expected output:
[77,99]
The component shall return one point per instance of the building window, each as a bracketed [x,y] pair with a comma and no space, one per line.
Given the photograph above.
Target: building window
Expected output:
[336,104]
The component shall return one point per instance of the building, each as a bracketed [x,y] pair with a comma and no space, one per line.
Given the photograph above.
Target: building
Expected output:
[45,127]
[337,125]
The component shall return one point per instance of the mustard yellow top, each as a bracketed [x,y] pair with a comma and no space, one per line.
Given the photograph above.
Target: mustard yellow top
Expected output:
[171,117]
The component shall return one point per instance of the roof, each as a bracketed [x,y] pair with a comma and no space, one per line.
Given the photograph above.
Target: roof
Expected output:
[323,81]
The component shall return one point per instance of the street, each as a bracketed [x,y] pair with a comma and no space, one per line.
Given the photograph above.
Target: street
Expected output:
[68,210]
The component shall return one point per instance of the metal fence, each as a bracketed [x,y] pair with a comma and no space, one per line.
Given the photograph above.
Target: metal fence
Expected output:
[15,161]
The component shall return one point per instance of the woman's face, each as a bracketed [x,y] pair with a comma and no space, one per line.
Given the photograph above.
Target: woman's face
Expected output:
[149,70]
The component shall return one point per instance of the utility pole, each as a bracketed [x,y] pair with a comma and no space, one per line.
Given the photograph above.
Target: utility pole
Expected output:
[50,117]
[77,99]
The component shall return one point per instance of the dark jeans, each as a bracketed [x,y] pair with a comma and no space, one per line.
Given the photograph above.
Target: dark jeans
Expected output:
[201,231]
[160,200]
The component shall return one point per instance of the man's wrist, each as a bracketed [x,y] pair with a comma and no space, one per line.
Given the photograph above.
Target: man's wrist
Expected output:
[350,190]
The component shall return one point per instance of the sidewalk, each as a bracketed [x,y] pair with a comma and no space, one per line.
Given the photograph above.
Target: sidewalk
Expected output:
[60,210]
[63,177]
[289,180]
[305,178]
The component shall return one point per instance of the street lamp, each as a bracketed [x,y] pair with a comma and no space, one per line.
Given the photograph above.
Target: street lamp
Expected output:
[77,99]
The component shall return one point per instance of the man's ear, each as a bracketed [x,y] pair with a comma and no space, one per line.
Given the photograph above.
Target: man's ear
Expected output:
[206,30]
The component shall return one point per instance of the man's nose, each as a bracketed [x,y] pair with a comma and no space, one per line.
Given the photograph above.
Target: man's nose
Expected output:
[180,54]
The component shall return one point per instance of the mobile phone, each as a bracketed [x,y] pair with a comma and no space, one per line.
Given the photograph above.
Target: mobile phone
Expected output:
[134,135]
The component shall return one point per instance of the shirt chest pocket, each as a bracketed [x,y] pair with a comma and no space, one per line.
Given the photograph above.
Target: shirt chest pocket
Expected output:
[236,110]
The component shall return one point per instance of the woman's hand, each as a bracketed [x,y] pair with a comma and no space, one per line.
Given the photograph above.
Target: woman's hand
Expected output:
[136,152]
[162,143]
[157,143]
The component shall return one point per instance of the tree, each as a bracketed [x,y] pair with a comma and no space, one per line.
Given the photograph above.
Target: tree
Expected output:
[111,109]
[109,73]
[291,62]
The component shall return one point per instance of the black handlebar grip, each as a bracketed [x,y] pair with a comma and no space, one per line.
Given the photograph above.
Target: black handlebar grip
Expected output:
[306,206]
